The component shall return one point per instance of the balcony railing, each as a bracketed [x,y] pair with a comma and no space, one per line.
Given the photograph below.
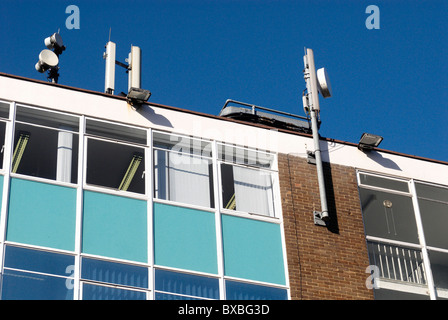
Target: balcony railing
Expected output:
[397,262]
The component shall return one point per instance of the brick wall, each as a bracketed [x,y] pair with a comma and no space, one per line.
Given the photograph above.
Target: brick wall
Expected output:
[323,262]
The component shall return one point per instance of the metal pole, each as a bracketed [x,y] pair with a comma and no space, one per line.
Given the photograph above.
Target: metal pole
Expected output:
[313,100]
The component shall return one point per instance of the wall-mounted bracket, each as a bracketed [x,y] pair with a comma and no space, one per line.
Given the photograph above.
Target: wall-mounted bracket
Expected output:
[318,221]
[311,157]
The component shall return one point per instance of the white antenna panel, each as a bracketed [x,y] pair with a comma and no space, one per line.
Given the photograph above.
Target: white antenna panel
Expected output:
[135,67]
[109,83]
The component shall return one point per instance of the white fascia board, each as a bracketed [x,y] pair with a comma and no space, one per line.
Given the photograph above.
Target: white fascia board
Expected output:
[101,106]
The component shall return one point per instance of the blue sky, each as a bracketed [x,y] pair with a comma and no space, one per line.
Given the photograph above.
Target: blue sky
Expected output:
[196,54]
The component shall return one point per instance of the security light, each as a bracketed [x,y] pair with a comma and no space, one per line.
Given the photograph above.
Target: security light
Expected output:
[137,96]
[369,141]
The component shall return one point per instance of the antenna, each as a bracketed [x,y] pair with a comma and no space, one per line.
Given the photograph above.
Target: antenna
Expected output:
[135,65]
[49,60]
[133,68]
[109,55]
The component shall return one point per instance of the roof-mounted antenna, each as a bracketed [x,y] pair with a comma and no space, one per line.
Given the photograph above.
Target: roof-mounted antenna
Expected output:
[49,60]
[133,67]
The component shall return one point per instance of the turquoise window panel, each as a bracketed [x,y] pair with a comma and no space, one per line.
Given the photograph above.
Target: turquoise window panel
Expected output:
[185,238]
[253,250]
[115,226]
[42,214]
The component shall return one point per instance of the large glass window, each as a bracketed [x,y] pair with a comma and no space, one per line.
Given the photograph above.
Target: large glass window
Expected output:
[106,280]
[37,275]
[171,285]
[388,215]
[4,114]
[183,170]
[246,291]
[114,160]
[246,186]
[46,145]
[433,203]
[406,233]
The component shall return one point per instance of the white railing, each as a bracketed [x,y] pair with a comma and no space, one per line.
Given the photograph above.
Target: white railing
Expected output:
[397,262]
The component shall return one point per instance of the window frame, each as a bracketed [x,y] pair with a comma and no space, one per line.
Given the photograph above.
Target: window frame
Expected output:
[273,172]
[193,155]
[145,162]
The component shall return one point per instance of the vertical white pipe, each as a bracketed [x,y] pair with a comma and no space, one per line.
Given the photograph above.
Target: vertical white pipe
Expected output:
[64,156]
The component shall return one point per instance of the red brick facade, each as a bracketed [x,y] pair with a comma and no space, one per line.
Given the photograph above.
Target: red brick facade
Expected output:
[323,262]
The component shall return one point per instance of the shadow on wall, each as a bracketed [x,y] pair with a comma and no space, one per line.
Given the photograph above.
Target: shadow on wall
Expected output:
[332,224]
[148,113]
[381,160]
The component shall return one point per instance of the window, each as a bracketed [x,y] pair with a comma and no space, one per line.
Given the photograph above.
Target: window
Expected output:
[246,291]
[37,275]
[433,204]
[4,114]
[182,286]
[115,161]
[106,280]
[388,215]
[406,232]
[183,170]
[245,185]
[46,145]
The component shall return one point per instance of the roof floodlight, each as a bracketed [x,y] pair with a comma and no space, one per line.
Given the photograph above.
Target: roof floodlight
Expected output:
[369,141]
[137,96]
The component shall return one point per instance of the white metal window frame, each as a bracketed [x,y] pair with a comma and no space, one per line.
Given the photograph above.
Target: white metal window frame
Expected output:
[81,185]
[182,152]
[12,120]
[384,283]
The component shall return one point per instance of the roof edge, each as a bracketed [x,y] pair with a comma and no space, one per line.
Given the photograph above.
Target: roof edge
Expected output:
[107,95]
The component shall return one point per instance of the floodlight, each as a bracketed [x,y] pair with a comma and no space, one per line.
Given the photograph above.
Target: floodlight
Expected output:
[47,60]
[369,141]
[323,82]
[138,96]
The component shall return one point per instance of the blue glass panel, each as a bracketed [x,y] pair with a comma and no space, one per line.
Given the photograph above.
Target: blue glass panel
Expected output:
[253,250]
[39,261]
[19,285]
[95,292]
[188,284]
[166,296]
[185,238]
[115,227]
[116,273]
[245,291]
[42,214]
